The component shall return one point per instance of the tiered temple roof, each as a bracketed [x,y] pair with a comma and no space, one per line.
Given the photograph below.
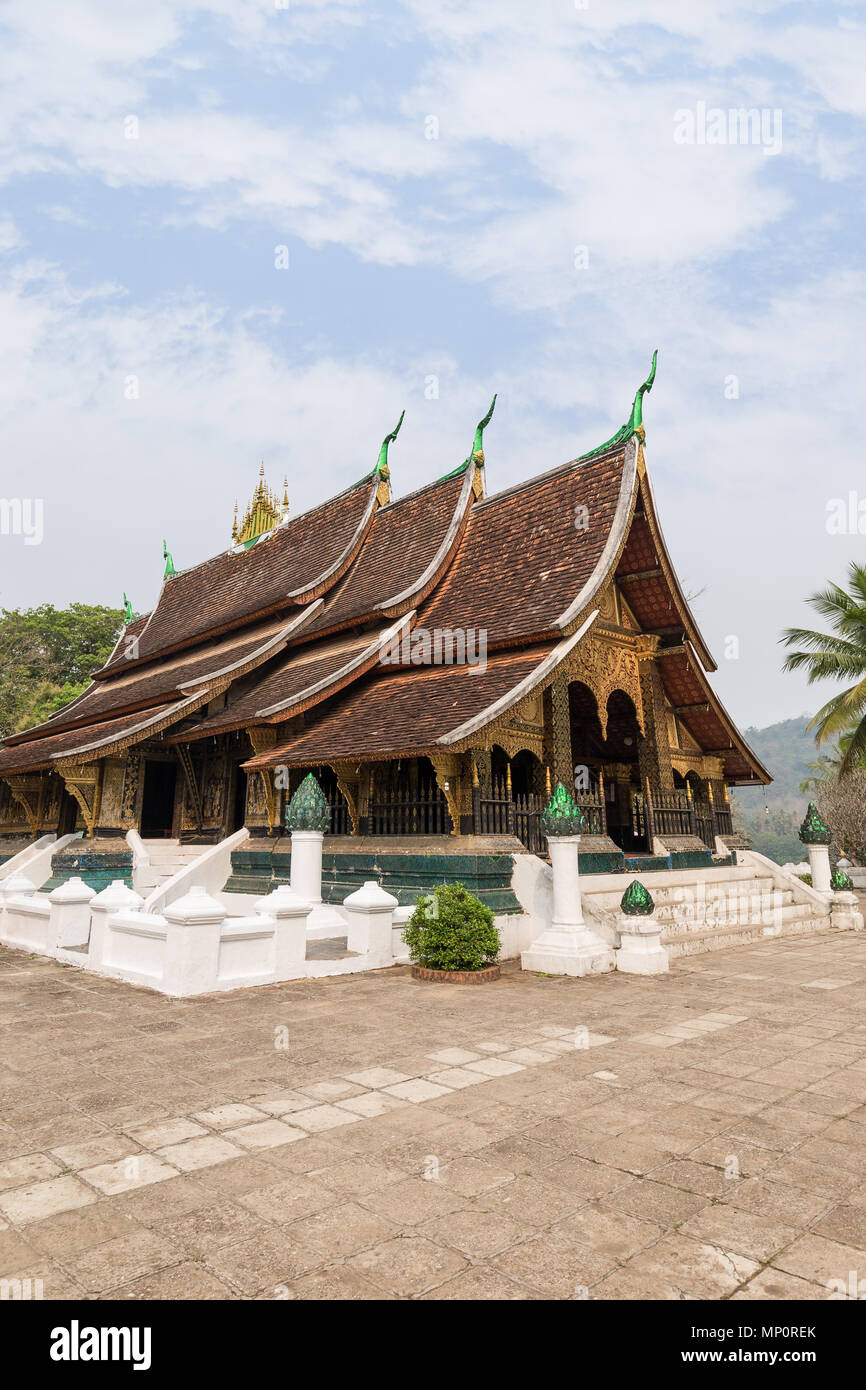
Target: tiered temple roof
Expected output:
[284,630]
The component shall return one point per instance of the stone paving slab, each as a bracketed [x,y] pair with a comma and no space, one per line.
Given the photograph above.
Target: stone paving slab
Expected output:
[699,1135]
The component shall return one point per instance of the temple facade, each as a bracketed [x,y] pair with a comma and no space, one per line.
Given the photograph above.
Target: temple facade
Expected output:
[439,661]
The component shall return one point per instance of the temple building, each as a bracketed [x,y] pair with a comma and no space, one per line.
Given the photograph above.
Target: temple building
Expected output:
[439,661]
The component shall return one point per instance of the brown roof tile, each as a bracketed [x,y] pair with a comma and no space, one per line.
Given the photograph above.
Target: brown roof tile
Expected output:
[296,559]
[524,556]
[403,542]
[404,710]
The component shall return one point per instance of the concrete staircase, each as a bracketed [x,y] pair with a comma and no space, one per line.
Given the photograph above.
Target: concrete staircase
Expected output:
[166,858]
[715,908]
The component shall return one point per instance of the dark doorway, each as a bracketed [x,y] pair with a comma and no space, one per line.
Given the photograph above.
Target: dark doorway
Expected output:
[239,803]
[68,814]
[157,803]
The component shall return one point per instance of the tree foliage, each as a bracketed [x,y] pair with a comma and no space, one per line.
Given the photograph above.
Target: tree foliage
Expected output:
[47,655]
[839,655]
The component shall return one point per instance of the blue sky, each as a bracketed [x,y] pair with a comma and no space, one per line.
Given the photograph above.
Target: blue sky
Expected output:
[413,257]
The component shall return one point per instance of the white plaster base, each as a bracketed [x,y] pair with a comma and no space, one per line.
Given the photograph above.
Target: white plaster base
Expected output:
[568,951]
[641,951]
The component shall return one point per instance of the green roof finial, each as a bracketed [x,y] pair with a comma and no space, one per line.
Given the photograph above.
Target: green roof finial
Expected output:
[308,808]
[562,815]
[169,563]
[382,466]
[636,421]
[634,424]
[477,454]
[127,610]
[637,901]
[813,831]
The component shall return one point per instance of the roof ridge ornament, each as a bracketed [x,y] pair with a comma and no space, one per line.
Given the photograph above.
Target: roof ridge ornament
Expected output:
[264,512]
[634,424]
[127,609]
[382,468]
[169,562]
[476,455]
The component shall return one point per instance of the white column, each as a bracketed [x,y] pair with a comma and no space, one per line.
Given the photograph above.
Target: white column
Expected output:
[70,914]
[640,951]
[290,914]
[568,946]
[819,864]
[306,871]
[192,943]
[369,918]
[115,898]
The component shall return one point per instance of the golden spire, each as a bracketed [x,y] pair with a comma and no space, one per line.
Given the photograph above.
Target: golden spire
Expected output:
[263,513]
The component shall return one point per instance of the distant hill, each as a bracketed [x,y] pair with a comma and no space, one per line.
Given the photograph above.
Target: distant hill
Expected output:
[784,749]
[771,816]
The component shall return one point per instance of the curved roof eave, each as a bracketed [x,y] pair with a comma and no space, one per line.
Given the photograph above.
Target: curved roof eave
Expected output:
[520,691]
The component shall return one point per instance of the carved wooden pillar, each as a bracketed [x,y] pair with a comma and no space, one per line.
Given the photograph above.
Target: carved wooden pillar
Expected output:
[654,754]
[446,767]
[557,732]
[348,777]
[263,739]
[84,782]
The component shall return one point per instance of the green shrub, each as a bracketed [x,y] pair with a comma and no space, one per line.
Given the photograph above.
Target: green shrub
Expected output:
[452,930]
[805,878]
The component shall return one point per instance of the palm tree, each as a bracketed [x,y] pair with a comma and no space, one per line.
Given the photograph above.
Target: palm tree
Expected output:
[839,656]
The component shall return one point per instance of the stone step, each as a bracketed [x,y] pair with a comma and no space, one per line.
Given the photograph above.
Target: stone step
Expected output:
[609,900]
[717,939]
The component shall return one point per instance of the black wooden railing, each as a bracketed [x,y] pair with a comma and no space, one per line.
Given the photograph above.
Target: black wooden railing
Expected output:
[409,811]
[504,812]
[674,813]
[340,822]
[592,804]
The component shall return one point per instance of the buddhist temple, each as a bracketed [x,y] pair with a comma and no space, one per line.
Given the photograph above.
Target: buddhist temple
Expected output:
[438,660]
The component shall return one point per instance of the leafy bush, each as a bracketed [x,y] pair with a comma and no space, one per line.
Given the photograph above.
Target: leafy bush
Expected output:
[452,930]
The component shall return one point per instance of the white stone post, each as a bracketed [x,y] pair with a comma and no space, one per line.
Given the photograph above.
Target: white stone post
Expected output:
[306,871]
[70,914]
[369,918]
[16,886]
[290,914]
[845,914]
[192,943]
[640,951]
[819,866]
[568,946]
[115,898]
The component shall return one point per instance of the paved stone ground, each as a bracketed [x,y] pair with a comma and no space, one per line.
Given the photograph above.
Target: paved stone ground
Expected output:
[696,1136]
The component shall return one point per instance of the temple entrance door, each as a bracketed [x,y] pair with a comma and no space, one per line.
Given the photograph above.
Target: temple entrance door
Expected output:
[68,814]
[626,813]
[157,802]
[239,801]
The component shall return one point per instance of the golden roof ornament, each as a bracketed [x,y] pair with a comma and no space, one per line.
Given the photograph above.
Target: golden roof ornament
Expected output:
[264,511]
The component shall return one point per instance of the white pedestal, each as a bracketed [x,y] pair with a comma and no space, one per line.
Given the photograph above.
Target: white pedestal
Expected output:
[192,943]
[70,914]
[369,920]
[568,946]
[845,914]
[641,951]
[306,871]
[115,898]
[290,914]
[819,866]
